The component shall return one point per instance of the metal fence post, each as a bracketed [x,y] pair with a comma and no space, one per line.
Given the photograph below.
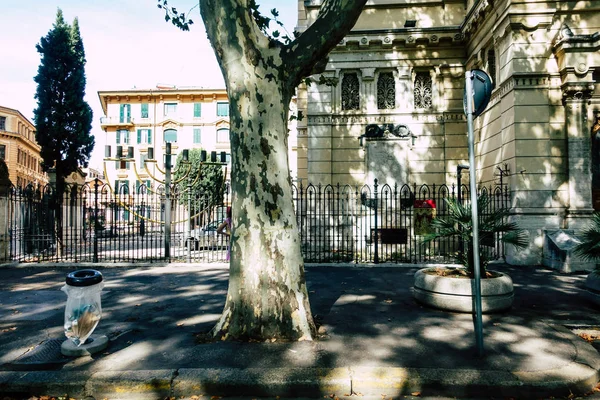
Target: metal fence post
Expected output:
[96,183]
[188,239]
[376,239]
[168,201]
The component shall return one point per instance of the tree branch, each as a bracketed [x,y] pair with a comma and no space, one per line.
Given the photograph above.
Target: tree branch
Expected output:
[336,18]
[233,33]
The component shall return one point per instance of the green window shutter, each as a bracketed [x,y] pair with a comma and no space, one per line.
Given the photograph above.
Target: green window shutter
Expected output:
[128,112]
[118,137]
[122,113]
[222,109]
[149,136]
[116,186]
[148,183]
[139,136]
[197,110]
[197,137]
[144,110]
[117,164]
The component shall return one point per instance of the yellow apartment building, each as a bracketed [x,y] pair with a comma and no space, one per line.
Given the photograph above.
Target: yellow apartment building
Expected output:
[146,119]
[19,149]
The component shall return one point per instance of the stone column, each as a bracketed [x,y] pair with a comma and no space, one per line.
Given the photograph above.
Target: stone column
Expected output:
[368,95]
[404,95]
[575,98]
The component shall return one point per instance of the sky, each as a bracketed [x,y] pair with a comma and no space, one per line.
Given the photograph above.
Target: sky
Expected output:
[127,44]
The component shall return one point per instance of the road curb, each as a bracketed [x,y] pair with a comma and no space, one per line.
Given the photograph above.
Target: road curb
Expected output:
[575,378]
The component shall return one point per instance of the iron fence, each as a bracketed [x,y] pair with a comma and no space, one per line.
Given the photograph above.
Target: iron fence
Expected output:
[92,223]
[374,224]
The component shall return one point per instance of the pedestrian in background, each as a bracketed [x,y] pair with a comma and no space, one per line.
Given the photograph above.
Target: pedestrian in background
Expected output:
[225,229]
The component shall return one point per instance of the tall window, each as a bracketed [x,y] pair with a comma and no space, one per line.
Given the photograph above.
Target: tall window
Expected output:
[122,136]
[170,109]
[144,112]
[350,92]
[2,123]
[197,136]
[222,109]
[144,136]
[170,136]
[492,66]
[223,135]
[121,164]
[386,91]
[422,91]
[125,113]
[2,152]
[197,110]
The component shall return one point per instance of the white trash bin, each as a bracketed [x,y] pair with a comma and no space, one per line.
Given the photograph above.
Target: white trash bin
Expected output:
[83,312]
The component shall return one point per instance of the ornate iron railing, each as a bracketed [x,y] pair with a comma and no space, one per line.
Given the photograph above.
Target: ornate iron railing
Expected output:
[90,223]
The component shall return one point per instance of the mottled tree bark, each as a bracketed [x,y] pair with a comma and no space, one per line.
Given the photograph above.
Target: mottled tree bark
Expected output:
[267,296]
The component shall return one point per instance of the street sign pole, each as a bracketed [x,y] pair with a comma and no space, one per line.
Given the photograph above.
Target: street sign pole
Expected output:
[469,76]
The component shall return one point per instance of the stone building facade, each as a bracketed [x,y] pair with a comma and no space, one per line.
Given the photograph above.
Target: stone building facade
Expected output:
[19,149]
[396,113]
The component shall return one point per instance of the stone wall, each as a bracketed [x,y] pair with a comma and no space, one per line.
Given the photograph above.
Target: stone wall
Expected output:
[534,135]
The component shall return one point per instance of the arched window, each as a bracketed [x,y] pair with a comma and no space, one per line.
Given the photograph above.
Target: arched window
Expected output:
[422,90]
[170,136]
[350,92]
[222,135]
[386,91]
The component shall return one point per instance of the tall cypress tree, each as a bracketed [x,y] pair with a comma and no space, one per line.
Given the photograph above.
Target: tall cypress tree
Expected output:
[63,118]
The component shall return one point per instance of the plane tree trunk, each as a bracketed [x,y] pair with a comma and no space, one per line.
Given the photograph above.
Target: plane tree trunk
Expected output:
[267,297]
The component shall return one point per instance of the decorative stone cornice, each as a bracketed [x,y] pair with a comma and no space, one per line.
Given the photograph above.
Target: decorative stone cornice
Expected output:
[476,17]
[362,119]
[566,40]
[574,52]
[509,22]
[577,91]
[403,37]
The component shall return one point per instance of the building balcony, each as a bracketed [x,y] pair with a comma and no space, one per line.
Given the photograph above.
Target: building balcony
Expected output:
[116,121]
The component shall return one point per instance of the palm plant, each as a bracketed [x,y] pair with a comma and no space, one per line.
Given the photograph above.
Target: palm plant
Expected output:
[589,248]
[458,223]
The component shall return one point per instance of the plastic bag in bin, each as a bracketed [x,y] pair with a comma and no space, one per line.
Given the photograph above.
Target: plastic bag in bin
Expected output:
[84,308]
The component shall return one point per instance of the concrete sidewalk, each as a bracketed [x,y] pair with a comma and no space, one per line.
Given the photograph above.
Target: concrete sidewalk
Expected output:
[375,339]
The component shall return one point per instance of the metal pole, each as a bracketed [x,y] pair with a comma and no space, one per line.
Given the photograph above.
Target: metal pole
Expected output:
[96,184]
[469,76]
[168,201]
[190,242]
[376,238]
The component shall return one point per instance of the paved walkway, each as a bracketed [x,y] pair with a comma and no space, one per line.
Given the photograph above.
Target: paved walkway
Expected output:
[377,340]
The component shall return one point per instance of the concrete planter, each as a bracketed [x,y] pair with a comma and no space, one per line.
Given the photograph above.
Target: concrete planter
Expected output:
[592,287]
[455,294]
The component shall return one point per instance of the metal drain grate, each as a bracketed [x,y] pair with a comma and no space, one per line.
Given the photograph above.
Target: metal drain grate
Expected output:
[44,356]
